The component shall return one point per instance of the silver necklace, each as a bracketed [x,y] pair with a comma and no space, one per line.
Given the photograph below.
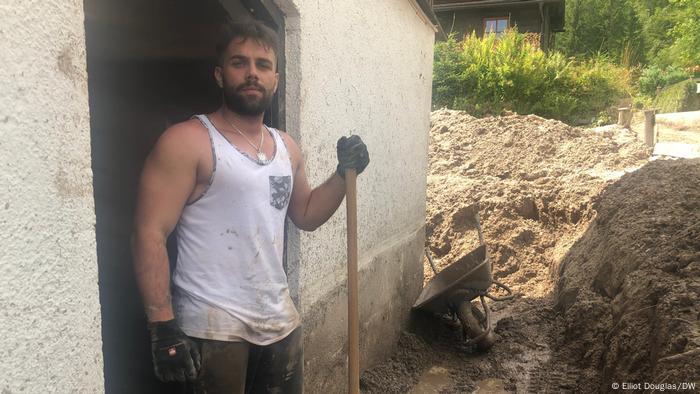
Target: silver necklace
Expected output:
[261,155]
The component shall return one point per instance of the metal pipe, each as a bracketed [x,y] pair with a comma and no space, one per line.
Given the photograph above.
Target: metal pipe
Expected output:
[430,260]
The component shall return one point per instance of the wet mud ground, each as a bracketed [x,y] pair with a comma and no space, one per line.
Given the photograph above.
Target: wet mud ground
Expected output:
[526,358]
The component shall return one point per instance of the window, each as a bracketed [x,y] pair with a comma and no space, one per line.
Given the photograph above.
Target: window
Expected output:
[495,25]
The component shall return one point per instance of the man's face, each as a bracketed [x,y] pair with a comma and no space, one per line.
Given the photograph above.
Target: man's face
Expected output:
[247,76]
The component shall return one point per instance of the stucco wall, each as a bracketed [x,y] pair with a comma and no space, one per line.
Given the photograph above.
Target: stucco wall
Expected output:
[363,67]
[49,308]
[360,66]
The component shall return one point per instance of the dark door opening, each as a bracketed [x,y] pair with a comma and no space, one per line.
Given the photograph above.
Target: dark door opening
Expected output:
[150,65]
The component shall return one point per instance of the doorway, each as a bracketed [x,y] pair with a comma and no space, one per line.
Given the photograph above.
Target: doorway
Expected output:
[150,65]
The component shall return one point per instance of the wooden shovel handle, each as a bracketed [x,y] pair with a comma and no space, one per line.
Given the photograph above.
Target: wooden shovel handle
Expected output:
[353,319]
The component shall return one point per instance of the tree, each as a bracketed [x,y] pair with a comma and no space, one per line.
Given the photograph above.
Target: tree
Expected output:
[656,21]
[608,27]
[686,34]
[658,32]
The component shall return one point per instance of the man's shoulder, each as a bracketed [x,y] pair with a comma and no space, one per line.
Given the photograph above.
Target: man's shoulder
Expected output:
[189,128]
[184,138]
[287,138]
[292,149]
[191,131]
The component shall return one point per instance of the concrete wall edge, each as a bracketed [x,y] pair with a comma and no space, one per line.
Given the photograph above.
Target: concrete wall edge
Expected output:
[334,280]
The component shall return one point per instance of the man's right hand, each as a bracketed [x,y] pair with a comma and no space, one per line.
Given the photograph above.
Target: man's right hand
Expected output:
[175,355]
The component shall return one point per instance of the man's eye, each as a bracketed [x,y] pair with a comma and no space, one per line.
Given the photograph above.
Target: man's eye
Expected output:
[237,64]
[265,66]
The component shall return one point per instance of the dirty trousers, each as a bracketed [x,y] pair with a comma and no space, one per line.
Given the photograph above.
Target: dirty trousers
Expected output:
[242,367]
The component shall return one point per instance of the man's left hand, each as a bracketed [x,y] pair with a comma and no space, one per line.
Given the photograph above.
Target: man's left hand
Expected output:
[352,153]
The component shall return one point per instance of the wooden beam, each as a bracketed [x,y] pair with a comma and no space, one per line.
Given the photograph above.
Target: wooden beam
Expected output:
[488,3]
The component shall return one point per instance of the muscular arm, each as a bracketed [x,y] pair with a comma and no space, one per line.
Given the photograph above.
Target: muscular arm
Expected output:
[310,208]
[169,177]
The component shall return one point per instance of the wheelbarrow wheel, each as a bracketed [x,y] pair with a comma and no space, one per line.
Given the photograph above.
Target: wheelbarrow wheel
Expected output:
[475,325]
[478,314]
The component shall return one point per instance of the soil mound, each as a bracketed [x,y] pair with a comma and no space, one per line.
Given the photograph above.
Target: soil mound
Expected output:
[630,287]
[534,179]
[626,293]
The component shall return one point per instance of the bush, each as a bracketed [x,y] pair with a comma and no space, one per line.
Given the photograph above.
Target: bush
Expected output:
[678,97]
[486,76]
[642,101]
[654,78]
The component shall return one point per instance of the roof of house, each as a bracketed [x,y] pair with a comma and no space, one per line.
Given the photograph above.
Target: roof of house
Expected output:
[427,8]
[450,5]
[557,11]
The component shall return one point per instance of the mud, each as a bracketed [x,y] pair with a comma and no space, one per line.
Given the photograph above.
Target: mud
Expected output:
[562,209]
[534,179]
[637,270]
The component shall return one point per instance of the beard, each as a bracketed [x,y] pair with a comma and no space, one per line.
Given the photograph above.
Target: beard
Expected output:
[236,101]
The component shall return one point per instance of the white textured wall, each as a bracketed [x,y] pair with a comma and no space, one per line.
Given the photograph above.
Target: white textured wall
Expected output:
[49,302]
[363,66]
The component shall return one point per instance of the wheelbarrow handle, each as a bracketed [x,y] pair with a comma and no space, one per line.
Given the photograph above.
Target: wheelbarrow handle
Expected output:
[506,297]
[477,221]
[480,231]
[430,260]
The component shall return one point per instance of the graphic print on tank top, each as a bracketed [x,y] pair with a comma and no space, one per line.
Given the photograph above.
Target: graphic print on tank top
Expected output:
[280,190]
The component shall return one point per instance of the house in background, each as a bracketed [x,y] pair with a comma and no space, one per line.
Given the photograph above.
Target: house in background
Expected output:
[540,17]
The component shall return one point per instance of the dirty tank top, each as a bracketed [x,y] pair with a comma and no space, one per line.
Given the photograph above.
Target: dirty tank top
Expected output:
[229,283]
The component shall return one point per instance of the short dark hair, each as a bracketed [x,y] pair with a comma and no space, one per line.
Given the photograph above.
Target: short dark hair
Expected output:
[244,30]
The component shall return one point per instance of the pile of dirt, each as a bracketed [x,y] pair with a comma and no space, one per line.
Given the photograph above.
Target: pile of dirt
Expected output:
[630,287]
[534,179]
[625,286]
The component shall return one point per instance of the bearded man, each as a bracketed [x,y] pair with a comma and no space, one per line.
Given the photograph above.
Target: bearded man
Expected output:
[227,182]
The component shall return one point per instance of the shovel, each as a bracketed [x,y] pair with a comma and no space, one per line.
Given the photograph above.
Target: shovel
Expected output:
[353,320]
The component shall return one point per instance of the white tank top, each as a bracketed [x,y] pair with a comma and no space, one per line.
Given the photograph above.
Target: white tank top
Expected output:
[229,283]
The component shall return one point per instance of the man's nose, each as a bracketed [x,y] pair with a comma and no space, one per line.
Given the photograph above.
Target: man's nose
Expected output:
[252,72]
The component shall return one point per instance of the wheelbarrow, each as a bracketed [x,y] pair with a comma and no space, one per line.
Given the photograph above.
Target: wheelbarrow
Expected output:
[452,290]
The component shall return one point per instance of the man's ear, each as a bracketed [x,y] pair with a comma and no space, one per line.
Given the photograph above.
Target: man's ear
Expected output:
[277,81]
[217,76]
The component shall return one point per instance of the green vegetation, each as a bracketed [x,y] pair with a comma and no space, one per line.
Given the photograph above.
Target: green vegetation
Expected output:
[653,79]
[678,97]
[487,76]
[613,52]
[685,50]
[610,27]
[661,33]
[658,40]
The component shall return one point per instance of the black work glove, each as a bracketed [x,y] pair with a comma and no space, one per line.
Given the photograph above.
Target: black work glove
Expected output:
[175,355]
[352,153]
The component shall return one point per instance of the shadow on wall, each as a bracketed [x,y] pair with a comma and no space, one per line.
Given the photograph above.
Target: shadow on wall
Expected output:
[125,124]
[150,65]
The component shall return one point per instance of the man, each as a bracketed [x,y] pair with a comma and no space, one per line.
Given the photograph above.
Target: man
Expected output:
[227,182]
